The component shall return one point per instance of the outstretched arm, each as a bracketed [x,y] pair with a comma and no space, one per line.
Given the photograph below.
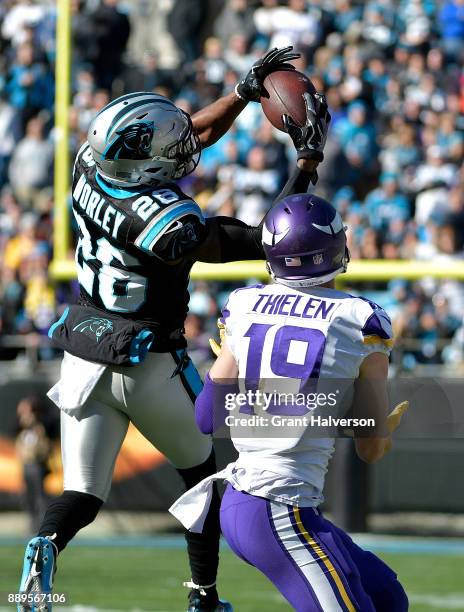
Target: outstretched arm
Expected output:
[222,239]
[213,121]
[227,239]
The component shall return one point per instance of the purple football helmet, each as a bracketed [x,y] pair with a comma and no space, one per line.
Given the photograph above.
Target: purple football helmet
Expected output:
[304,240]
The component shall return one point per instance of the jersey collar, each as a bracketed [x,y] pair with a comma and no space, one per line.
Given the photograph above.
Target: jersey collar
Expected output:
[119,192]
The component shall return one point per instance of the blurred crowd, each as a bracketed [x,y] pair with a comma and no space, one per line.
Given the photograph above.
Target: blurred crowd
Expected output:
[33,448]
[392,71]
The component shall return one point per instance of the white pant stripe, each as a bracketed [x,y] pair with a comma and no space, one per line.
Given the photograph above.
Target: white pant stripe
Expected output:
[303,558]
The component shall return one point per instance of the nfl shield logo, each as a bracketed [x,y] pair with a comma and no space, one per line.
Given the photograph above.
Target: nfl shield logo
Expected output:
[318,258]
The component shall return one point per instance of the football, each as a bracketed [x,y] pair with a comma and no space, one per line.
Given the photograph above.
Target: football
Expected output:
[283,95]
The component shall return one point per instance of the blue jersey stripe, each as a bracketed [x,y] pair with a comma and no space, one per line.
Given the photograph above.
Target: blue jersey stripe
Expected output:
[191,375]
[60,321]
[170,216]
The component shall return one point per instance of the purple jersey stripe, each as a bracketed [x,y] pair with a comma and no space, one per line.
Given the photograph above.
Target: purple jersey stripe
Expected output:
[373,327]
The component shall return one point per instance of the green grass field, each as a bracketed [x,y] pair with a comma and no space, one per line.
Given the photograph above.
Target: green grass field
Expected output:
[149,579]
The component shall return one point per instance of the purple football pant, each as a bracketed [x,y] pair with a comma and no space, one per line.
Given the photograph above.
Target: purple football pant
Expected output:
[314,564]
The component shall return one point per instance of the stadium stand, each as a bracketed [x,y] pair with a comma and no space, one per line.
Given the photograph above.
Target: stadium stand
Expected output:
[392,73]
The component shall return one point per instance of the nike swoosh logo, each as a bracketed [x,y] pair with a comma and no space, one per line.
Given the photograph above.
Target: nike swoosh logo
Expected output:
[178,225]
[34,572]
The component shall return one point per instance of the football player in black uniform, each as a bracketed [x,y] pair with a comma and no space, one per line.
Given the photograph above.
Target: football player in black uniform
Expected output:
[139,236]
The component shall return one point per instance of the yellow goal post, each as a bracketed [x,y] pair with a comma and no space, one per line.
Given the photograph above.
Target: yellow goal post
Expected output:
[375,270]
[63,268]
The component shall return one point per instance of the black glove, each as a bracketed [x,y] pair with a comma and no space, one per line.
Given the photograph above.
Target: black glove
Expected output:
[309,140]
[250,88]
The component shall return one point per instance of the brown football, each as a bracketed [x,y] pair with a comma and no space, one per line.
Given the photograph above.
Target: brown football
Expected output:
[283,95]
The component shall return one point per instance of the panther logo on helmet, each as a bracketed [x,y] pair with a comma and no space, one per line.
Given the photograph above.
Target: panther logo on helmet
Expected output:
[132,142]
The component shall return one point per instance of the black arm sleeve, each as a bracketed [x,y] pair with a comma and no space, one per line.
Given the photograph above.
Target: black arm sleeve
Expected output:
[298,182]
[228,239]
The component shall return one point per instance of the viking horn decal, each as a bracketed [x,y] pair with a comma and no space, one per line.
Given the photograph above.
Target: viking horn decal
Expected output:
[335,226]
[271,238]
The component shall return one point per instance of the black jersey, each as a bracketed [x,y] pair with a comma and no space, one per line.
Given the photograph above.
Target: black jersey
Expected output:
[137,246]
[132,254]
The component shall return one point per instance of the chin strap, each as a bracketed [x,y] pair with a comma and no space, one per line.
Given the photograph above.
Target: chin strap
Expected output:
[306,282]
[198,587]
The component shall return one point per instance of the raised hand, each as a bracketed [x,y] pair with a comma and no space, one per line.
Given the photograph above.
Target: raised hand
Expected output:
[250,87]
[309,140]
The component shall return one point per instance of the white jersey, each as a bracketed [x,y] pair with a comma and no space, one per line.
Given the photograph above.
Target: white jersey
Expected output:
[305,340]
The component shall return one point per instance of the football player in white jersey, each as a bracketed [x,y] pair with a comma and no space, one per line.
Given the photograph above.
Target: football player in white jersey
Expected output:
[299,330]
